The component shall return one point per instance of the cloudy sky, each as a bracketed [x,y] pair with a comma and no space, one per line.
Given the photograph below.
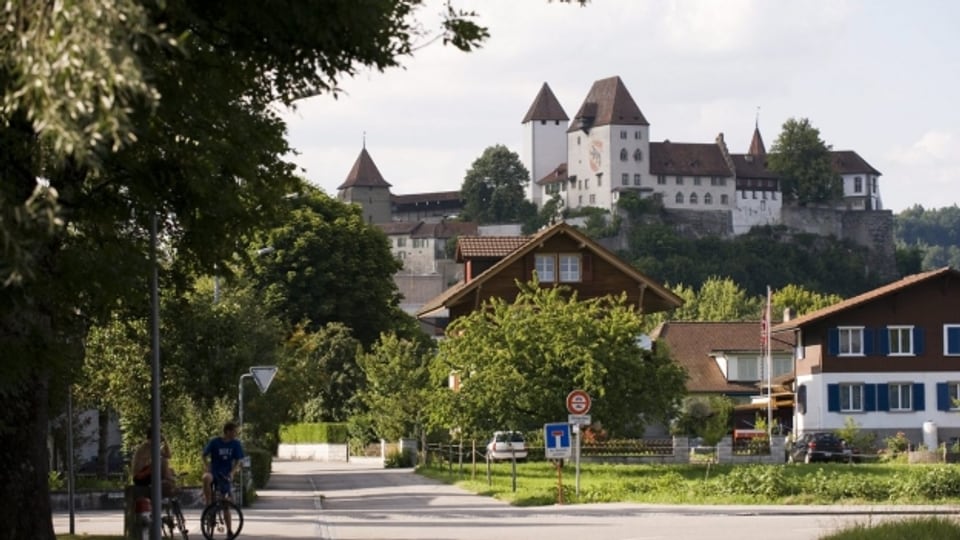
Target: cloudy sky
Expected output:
[875,76]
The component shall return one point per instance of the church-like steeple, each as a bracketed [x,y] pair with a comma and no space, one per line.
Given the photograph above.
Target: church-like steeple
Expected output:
[364,173]
[545,107]
[756,145]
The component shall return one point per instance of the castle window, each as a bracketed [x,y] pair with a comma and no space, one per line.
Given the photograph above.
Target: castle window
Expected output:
[625,179]
[764,194]
[662,180]
[636,179]
[593,198]
[401,242]
[679,180]
[623,134]
[637,155]
[578,140]
[623,154]
[693,198]
[773,195]
[696,180]
[708,199]
[724,200]
[679,198]
[858,184]
[543,122]
[754,194]
[718,181]
[638,134]
[586,184]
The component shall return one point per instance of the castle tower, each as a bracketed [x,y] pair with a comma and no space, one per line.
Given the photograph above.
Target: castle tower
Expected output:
[366,187]
[608,145]
[544,140]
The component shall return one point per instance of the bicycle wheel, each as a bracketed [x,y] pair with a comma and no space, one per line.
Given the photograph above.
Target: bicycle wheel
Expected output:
[221,520]
[179,523]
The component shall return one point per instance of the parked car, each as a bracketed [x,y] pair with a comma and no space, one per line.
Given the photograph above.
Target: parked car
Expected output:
[819,446]
[507,445]
[117,462]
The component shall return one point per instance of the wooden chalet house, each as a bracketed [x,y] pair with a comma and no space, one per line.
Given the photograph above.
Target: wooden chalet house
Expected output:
[560,255]
[888,358]
[726,359]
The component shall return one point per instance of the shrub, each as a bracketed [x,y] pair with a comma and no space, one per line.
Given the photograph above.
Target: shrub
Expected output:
[897,444]
[758,480]
[398,460]
[331,432]
[260,464]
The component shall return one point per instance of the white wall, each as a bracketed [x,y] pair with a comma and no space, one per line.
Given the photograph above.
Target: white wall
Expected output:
[544,147]
[751,212]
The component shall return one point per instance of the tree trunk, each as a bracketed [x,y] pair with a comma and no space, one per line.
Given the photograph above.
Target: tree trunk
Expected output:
[103,437]
[25,512]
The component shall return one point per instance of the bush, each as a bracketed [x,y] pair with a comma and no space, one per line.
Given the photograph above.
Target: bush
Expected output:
[330,432]
[758,480]
[261,461]
[398,460]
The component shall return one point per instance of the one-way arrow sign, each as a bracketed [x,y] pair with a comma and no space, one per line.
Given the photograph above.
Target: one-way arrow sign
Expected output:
[263,376]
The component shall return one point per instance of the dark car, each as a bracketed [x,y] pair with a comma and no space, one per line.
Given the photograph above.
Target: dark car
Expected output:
[819,446]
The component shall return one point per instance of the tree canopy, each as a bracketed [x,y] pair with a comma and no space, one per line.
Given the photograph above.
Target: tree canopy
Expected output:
[516,362]
[803,162]
[493,189]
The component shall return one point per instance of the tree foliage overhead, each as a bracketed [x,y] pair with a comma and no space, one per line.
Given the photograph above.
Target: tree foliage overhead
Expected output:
[803,162]
[493,189]
[517,362]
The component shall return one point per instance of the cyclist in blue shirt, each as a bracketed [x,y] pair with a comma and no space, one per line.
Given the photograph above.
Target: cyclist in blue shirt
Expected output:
[221,456]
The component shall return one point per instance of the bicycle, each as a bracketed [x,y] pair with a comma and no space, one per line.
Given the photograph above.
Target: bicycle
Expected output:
[222,518]
[173,521]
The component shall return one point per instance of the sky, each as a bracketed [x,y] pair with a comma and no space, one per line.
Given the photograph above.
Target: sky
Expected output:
[875,76]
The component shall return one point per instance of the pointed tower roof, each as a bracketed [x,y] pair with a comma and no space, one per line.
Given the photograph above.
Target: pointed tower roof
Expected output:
[608,102]
[545,107]
[756,145]
[364,173]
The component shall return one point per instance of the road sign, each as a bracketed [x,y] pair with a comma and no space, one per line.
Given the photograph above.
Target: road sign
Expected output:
[578,402]
[579,419]
[557,439]
[263,376]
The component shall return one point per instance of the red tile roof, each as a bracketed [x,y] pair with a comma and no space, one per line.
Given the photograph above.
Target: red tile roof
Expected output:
[476,247]
[608,102]
[545,107]
[687,159]
[364,173]
[693,344]
[557,175]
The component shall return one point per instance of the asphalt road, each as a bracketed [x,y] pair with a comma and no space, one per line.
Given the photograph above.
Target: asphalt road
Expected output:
[361,501]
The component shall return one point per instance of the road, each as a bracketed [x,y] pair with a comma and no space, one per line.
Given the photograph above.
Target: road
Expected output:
[328,501]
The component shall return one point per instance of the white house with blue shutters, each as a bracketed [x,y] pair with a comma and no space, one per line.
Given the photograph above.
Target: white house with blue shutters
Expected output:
[888,358]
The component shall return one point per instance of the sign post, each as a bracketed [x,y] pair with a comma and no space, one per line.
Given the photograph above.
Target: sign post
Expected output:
[556,438]
[578,405]
[263,376]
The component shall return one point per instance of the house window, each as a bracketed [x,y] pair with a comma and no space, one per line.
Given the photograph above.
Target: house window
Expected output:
[599,179]
[901,340]
[679,180]
[951,340]
[718,181]
[782,365]
[679,198]
[625,179]
[953,389]
[401,254]
[636,179]
[569,268]
[638,134]
[661,180]
[851,341]
[748,369]
[401,242]
[858,184]
[623,154]
[724,199]
[900,396]
[851,397]
[708,199]
[696,180]
[593,198]
[693,198]
[419,242]
[546,268]
[637,155]
[623,134]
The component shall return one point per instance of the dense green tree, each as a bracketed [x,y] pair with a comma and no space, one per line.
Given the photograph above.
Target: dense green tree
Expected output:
[517,362]
[493,189]
[927,239]
[717,299]
[303,284]
[803,162]
[707,417]
[125,122]
[800,300]
[397,387]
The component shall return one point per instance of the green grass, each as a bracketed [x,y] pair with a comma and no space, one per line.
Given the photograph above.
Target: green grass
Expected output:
[830,483]
[921,528]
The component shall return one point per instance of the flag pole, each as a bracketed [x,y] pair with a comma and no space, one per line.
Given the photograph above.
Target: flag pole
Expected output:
[769,362]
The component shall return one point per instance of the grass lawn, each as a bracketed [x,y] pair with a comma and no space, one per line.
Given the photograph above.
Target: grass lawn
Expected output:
[828,483]
[921,528]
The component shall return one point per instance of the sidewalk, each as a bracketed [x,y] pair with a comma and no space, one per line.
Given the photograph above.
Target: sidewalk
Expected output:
[288,507]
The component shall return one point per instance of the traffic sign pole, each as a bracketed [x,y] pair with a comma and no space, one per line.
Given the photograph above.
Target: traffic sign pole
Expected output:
[578,405]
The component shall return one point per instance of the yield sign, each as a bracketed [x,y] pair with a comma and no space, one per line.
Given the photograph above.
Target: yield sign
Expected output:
[578,402]
[263,376]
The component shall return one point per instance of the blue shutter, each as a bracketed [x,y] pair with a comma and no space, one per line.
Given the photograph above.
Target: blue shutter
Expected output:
[833,339]
[868,338]
[919,400]
[883,397]
[885,341]
[953,340]
[917,340]
[869,397]
[943,397]
[833,397]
